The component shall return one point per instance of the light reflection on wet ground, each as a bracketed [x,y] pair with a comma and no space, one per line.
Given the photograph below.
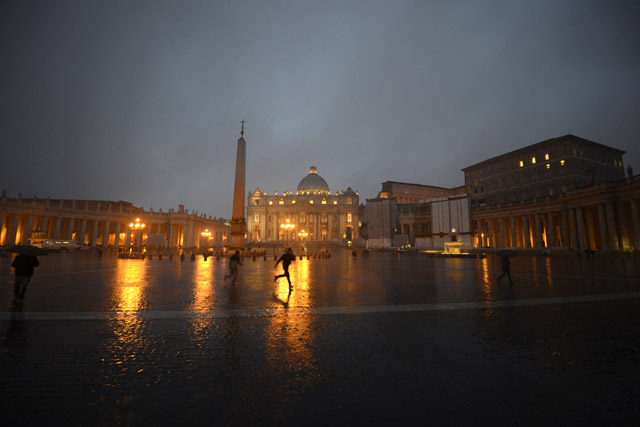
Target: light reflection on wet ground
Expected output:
[118,285]
[442,343]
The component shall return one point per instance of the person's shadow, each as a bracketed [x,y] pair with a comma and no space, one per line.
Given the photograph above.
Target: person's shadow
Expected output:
[284,302]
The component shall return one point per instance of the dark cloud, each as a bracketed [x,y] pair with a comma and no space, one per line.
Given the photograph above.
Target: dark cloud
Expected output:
[142,101]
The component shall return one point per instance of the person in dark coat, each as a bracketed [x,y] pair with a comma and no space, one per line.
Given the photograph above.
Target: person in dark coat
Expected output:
[234,261]
[286,259]
[23,266]
[506,269]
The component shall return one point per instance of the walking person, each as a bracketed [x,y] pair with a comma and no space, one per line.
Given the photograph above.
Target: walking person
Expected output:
[286,258]
[234,261]
[506,269]
[23,266]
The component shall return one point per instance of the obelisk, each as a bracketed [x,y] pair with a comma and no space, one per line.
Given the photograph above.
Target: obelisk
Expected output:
[238,223]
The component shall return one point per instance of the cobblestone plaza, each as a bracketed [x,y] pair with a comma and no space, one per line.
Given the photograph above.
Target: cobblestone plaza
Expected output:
[384,339]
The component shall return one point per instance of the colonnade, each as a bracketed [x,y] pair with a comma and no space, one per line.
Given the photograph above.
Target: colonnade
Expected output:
[104,224]
[606,225]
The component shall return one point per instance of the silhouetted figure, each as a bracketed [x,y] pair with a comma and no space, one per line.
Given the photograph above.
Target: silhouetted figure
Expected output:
[23,266]
[234,261]
[354,254]
[99,253]
[286,258]
[506,269]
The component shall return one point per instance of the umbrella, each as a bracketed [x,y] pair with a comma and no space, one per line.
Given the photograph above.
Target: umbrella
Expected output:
[27,250]
[507,253]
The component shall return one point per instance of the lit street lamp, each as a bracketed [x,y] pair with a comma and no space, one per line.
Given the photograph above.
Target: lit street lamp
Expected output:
[287,226]
[137,227]
[207,236]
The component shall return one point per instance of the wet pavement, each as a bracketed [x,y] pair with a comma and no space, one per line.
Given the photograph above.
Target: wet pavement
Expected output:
[386,339]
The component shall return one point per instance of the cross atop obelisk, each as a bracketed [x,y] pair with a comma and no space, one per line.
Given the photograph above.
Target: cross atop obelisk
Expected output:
[238,222]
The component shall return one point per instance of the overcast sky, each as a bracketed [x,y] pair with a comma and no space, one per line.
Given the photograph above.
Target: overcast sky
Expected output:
[142,100]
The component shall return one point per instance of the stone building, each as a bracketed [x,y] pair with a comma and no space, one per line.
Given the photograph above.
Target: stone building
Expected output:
[106,223]
[315,214]
[565,192]
[427,217]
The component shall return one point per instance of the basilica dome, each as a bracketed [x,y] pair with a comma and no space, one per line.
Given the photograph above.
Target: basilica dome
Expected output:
[313,183]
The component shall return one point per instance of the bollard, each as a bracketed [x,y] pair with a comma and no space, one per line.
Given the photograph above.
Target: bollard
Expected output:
[193,257]
[182,257]
[205,257]
[265,257]
[308,255]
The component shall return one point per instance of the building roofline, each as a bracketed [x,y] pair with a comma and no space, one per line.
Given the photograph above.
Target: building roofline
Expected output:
[542,143]
[423,185]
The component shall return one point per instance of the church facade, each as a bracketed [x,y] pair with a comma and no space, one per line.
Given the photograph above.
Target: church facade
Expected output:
[310,214]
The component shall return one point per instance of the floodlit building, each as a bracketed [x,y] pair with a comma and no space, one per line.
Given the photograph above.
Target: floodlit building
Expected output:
[565,192]
[106,223]
[310,214]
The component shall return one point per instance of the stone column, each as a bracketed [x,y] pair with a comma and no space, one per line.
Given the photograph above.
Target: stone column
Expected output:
[503,237]
[27,229]
[490,237]
[551,231]
[44,226]
[116,242]
[14,229]
[105,235]
[71,224]
[636,224]
[602,223]
[83,231]
[582,238]
[56,230]
[572,229]
[611,227]
[537,237]
[564,227]
[1,224]
[514,241]
[170,239]
[127,238]
[525,232]
[94,234]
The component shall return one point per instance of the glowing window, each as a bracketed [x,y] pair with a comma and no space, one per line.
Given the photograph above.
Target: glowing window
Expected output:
[293,202]
[561,162]
[548,166]
[256,217]
[324,202]
[546,156]
[533,160]
[349,217]
[335,202]
[521,165]
[281,202]
[310,202]
[270,202]
[349,201]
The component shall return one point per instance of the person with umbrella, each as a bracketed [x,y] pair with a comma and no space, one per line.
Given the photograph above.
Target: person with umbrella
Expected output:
[506,263]
[24,264]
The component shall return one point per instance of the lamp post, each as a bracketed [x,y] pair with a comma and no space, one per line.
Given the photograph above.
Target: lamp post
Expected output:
[207,236]
[287,226]
[137,227]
